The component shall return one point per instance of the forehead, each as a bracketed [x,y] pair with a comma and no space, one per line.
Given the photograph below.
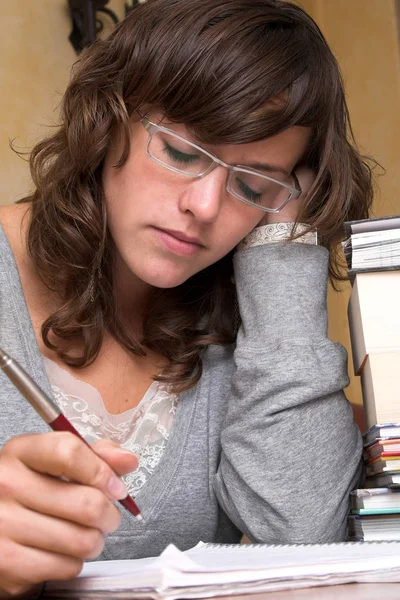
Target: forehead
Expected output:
[277,154]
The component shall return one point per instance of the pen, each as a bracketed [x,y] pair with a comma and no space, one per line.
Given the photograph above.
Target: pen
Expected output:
[48,410]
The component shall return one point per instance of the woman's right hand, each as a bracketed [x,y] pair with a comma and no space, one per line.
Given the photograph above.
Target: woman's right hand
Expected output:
[49,525]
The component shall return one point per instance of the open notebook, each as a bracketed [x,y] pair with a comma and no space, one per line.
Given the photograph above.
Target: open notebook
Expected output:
[215,570]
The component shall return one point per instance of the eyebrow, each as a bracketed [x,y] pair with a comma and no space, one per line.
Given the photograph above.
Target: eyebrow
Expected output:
[269,168]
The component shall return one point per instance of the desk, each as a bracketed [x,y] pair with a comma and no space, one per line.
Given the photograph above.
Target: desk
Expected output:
[351,591]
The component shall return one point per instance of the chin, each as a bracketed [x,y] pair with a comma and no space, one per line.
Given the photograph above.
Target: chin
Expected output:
[165,278]
[166,283]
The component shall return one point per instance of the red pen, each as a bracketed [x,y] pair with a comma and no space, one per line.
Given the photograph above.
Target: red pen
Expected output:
[48,410]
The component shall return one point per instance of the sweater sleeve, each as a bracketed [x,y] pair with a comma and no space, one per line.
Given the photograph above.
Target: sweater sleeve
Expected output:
[291,451]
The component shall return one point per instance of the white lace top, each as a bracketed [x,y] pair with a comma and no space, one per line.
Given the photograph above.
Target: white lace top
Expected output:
[143,430]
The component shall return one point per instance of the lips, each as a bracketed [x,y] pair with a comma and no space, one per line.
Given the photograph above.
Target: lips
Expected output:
[179,243]
[184,237]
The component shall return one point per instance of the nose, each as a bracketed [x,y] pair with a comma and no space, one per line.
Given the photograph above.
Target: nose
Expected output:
[203,197]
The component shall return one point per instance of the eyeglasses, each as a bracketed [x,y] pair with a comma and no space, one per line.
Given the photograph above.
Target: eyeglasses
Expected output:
[177,154]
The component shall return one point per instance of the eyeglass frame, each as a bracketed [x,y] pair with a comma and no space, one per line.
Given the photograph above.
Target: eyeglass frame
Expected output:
[153,128]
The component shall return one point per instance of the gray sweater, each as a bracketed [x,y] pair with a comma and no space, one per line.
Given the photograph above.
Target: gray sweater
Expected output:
[264,445]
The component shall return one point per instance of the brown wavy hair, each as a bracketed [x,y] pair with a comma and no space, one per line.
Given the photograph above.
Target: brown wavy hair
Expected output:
[214,66]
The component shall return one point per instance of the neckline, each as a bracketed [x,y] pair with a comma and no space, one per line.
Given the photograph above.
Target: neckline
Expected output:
[151,390]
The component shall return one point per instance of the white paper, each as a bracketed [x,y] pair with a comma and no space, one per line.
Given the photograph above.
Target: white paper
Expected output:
[210,570]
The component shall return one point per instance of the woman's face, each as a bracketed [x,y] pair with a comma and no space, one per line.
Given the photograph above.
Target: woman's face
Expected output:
[166,227]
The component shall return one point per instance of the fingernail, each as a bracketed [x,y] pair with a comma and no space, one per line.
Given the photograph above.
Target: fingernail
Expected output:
[116,488]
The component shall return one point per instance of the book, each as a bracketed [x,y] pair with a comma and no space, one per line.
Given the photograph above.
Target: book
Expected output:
[372,244]
[215,570]
[383,454]
[374,294]
[380,384]
[383,480]
[394,456]
[374,498]
[393,459]
[381,431]
[372,224]
[371,528]
[381,466]
[387,456]
[375,249]
[376,511]
[383,448]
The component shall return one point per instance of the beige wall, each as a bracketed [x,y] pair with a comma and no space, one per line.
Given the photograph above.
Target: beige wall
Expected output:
[363,34]
[36,57]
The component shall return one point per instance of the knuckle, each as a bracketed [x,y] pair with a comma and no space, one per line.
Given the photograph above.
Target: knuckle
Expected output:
[5,517]
[16,582]
[71,568]
[117,518]
[6,485]
[101,475]
[11,584]
[11,475]
[10,447]
[104,443]
[90,544]
[93,506]
[113,520]
[15,589]
[68,447]
[7,552]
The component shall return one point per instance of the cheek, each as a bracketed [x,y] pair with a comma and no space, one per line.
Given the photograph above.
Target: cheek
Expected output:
[139,186]
[131,195]
[240,221]
[121,184]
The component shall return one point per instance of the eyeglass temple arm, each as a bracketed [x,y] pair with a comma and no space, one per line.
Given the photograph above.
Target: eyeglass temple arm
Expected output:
[297,183]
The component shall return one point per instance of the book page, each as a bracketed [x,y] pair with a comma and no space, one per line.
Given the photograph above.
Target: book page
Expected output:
[214,557]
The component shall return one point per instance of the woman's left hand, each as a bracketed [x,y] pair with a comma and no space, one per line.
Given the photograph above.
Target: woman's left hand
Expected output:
[289,213]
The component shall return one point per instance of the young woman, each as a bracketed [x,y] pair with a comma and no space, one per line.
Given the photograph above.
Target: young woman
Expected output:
[140,287]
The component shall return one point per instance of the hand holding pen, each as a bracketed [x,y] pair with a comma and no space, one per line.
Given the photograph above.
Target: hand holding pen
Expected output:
[49,525]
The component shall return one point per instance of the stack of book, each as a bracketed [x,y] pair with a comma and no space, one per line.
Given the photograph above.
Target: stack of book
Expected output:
[372,252]
[374,515]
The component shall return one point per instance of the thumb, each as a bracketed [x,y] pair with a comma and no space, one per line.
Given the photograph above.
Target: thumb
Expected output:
[120,460]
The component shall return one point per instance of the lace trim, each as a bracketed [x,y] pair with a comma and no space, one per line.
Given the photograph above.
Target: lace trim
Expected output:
[143,433]
[276,232]
[143,430]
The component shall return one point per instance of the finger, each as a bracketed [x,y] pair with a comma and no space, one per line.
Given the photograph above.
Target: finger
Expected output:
[36,530]
[22,567]
[63,454]
[120,460]
[73,502]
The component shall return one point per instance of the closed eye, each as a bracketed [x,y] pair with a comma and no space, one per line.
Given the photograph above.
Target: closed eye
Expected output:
[178,156]
[247,191]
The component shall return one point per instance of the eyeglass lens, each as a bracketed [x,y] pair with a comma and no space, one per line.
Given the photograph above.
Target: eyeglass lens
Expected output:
[179,155]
